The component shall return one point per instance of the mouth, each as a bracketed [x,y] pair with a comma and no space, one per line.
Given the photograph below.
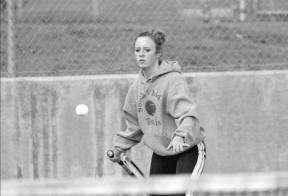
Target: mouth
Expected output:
[141,61]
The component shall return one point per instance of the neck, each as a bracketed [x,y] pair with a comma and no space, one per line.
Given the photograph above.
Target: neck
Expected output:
[149,71]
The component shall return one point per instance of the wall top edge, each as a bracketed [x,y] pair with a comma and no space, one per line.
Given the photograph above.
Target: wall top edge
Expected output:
[133,76]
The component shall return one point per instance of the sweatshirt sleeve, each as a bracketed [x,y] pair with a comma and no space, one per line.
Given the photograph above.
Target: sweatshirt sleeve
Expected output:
[132,135]
[182,108]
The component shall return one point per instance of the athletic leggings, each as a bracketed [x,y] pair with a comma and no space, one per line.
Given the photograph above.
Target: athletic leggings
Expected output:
[189,162]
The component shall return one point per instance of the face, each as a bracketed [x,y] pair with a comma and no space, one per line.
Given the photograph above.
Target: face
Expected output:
[145,52]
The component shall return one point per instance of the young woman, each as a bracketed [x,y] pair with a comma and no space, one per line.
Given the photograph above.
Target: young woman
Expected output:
[159,110]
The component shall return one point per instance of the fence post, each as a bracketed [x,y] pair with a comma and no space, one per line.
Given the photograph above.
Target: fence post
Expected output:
[11,68]
[242,10]
[10,36]
[95,5]
[19,9]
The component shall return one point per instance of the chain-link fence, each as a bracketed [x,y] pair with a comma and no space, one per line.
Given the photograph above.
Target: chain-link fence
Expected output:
[57,37]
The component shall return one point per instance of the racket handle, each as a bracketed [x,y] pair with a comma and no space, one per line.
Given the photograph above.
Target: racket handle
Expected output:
[110,153]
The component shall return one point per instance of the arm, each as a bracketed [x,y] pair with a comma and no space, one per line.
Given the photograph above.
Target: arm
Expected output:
[182,108]
[132,135]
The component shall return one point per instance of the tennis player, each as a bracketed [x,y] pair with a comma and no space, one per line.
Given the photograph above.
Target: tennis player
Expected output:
[160,111]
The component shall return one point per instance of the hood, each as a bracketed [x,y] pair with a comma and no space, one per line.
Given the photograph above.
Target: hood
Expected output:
[165,67]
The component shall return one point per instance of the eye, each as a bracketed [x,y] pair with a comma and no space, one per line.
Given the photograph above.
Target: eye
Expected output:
[137,50]
[147,50]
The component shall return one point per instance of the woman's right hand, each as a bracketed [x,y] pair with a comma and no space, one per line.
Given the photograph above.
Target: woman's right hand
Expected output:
[114,155]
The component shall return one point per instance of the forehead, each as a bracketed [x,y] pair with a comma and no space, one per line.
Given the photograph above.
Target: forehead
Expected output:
[144,42]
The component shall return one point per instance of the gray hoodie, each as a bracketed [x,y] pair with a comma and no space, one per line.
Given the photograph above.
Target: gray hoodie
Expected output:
[158,108]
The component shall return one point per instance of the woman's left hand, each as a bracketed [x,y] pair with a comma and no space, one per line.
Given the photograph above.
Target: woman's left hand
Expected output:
[177,144]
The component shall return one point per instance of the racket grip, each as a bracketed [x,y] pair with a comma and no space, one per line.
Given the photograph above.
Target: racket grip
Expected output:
[110,153]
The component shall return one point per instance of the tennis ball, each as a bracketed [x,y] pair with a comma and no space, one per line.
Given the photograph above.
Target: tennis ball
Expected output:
[81,109]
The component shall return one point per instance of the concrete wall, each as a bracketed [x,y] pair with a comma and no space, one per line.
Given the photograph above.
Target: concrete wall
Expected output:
[245,115]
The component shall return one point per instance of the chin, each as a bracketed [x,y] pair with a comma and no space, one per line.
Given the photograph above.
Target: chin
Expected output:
[142,66]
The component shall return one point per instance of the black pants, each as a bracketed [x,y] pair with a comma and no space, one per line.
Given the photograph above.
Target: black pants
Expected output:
[189,162]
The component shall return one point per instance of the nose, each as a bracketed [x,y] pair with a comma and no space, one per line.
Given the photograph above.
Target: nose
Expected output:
[141,53]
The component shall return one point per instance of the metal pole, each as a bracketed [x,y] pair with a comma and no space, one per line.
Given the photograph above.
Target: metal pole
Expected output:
[10,36]
[19,9]
[242,10]
[95,6]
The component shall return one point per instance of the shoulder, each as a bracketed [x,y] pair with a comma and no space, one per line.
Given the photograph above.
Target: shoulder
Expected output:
[133,89]
[175,78]
[134,84]
[177,83]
